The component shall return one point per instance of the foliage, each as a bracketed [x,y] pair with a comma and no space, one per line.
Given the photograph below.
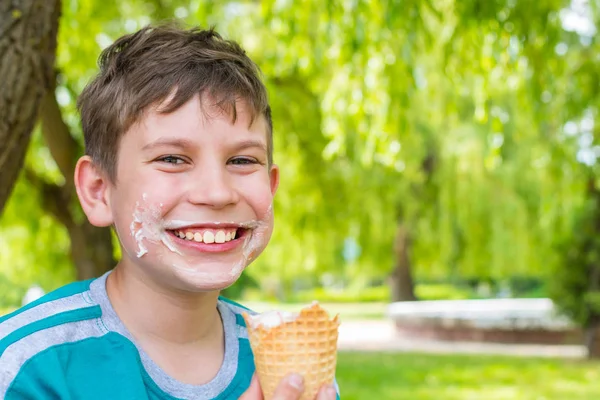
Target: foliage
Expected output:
[370,294]
[424,291]
[471,121]
[441,291]
[451,377]
[483,88]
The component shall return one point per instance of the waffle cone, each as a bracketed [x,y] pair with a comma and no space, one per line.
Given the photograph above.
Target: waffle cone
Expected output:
[306,346]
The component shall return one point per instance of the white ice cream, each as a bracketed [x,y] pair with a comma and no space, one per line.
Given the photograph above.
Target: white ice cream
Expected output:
[147,225]
[271,319]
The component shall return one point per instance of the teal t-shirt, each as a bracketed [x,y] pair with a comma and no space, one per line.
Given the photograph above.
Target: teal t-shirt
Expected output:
[70,344]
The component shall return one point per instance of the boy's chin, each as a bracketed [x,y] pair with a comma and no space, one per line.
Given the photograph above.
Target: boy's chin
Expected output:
[205,280]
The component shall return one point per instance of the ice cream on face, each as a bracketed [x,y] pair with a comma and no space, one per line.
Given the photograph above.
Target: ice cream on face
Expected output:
[148,225]
[254,243]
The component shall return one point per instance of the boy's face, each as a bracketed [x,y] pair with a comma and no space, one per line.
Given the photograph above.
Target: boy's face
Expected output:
[192,202]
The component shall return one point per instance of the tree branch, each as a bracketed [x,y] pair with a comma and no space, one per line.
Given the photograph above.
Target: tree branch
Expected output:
[55,199]
[434,10]
[63,147]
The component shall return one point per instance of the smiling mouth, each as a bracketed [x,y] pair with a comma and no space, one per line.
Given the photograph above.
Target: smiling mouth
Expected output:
[210,236]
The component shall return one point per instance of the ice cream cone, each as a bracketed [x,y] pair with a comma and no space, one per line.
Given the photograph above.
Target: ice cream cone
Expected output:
[305,344]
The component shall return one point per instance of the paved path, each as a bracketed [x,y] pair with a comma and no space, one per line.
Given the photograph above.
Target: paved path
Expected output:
[380,335]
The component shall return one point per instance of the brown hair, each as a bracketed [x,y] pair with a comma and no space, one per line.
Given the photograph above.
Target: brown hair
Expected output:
[146,67]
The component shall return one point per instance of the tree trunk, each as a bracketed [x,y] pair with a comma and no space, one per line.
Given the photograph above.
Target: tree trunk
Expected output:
[28,31]
[401,281]
[402,286]
[591,341]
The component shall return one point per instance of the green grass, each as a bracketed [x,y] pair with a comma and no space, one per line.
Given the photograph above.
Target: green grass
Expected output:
[400,376]
[347,311]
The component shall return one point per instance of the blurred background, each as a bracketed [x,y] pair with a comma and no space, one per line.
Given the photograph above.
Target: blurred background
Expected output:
[439,178]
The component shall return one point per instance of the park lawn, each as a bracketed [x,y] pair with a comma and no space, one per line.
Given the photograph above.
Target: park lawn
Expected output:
[400,376]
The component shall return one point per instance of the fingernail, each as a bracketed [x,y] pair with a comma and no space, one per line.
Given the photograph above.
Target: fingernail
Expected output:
[331,392]
[296,381]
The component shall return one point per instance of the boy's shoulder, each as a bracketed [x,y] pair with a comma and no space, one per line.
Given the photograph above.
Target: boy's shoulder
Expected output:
[236,307]
[238,310]
[63,316]
[68,298]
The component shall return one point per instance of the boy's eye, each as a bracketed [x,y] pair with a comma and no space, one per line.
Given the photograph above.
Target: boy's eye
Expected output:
[243,161]
[171,160]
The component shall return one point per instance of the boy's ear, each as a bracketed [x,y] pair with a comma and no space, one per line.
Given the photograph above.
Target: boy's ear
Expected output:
[274,176]
[93,188]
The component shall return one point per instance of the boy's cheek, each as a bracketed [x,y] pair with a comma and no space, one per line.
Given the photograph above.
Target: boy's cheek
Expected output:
[152,192]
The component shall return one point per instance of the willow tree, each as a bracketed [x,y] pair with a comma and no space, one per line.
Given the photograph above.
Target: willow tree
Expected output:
[398,85]
[477,109]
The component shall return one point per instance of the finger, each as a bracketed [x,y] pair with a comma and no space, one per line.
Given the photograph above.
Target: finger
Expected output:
[327,392]
[290,388]
[254,392]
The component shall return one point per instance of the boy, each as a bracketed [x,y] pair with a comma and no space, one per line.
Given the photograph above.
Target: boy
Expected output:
[178,160]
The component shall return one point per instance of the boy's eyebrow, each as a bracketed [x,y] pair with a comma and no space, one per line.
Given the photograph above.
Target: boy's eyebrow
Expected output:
[251,143]
[186,144]
[171,142]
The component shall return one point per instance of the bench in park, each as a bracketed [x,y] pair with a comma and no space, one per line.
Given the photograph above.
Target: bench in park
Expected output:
[532,321]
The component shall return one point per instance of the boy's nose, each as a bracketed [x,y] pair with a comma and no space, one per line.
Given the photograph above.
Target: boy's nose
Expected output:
[212,187]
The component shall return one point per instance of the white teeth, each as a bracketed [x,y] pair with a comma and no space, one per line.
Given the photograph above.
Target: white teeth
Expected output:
[220,237]
[209,237]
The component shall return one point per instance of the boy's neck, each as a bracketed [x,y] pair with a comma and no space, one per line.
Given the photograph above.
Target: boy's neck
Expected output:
[160,315]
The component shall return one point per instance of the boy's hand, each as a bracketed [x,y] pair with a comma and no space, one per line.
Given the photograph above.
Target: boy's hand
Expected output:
[290,388]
